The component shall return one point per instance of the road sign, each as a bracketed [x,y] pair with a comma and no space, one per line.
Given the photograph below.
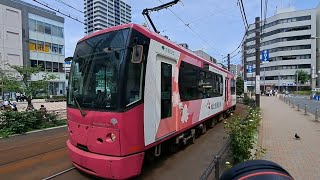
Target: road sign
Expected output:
[257,84]
[250,69]
[265,56]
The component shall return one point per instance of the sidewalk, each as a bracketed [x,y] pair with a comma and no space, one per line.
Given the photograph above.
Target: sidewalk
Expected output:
[301,158]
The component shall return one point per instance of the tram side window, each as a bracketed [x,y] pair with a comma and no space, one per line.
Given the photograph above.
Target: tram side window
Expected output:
[233,87]
[188,82]
[197,83]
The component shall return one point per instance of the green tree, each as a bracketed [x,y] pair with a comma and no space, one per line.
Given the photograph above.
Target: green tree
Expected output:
[240,85]
[303,76]
[22,82]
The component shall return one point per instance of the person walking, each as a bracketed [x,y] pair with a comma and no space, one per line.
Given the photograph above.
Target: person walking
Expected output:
[18,96]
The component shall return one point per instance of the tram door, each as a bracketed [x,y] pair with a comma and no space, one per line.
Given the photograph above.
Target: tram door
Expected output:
[159,114]
[167,120]
[227,92]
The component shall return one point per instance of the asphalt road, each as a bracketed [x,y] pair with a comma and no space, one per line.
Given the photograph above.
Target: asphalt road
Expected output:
[37,156]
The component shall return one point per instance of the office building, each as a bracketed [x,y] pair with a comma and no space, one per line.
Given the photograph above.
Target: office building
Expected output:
[289,38]
[236,70]
[101,14]
[33,36]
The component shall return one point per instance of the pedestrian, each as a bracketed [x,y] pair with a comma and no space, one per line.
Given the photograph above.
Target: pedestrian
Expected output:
[18,95]
[43,109]
[14,107]
[5,103]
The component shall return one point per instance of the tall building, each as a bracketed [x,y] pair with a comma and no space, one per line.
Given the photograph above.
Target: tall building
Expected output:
[289,37]
[236,70]
[33,36]
[101,14]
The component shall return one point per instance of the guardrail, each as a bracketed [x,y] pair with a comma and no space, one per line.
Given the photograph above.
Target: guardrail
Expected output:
[303,107]
[213,170]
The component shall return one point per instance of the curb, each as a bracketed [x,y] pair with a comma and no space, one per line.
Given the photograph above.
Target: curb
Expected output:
[34,131]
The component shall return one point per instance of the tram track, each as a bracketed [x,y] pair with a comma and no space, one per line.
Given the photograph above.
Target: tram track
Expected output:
[29,157]
[31,149]
[31,143]
[59,173]
[41,165]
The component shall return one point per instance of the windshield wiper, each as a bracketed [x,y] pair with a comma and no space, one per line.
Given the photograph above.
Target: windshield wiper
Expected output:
[83,113]
[112,49]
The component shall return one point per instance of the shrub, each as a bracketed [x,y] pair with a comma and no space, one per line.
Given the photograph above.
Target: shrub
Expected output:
[13,122]
[242,132]
[302,92]
[249,102]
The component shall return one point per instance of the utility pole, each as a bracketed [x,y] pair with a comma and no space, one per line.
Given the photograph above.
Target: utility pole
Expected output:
[257,28]
[229,62]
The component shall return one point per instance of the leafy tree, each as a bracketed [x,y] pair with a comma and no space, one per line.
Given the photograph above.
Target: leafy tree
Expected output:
[23,84]
[303,77]
[240,85]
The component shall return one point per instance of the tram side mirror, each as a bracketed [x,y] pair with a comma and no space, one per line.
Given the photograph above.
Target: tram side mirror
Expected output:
[137,54]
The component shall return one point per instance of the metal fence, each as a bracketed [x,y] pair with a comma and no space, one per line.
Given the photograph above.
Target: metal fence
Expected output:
[217,165]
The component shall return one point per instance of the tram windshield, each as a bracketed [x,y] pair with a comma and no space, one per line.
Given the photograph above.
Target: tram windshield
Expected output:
[95,73]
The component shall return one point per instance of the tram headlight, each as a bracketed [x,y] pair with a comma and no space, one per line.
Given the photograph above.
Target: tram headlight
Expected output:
[111,137]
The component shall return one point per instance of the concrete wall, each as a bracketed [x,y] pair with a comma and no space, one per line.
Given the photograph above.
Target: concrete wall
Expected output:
[10,38]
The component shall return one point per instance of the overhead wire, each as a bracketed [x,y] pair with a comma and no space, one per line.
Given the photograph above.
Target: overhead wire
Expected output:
[244,13]
[62,2]
[57,10]
[199,19]
[244,23]
[188,26]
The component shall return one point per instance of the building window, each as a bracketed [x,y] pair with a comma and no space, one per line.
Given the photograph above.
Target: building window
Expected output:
[60,49]
[61,69]
[60,32]
[40,27]
[34,63]
[48,48]
[32,45]
[32,25]
[54,48]
[55,67]
[48,66]
[40,46]
[54,30]
[47,28]
[42,65]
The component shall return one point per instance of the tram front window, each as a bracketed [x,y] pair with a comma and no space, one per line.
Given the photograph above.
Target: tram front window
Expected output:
[95,74]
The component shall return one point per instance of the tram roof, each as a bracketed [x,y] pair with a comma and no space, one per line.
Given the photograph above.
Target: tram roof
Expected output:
[155,36]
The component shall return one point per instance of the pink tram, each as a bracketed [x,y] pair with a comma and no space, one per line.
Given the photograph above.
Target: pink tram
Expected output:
[134,94]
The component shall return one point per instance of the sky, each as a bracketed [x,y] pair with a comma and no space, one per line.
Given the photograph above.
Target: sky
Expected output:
[216,26]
